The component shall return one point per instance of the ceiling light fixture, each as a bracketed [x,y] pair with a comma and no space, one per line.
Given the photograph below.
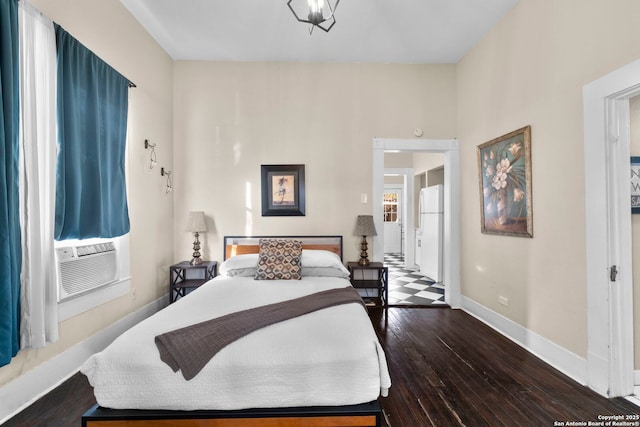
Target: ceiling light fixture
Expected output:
[319,13]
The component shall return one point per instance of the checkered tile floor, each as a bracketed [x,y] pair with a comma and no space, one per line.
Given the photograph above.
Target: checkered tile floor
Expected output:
[408,287]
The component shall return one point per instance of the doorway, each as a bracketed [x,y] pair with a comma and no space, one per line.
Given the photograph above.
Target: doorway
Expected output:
[610,346]
[393,220]
[451,244]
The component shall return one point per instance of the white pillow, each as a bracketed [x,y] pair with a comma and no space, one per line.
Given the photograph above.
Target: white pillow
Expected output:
[240,265]
[318,263]
[320,258]
[322,263]
[325,272]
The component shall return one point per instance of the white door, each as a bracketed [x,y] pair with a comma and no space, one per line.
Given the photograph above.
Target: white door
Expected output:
[392,213]
[610,345]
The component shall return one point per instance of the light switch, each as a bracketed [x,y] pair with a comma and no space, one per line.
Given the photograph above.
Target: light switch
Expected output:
[363,198]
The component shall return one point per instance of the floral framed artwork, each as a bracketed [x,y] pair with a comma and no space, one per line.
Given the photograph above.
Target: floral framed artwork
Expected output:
[283,190]
[635,185]
[504,166]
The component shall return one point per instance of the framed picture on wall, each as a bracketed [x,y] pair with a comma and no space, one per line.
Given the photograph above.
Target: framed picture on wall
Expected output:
[635,185]
[283,190]
[504,167]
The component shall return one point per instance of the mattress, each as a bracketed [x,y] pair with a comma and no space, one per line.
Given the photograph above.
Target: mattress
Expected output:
[331,357]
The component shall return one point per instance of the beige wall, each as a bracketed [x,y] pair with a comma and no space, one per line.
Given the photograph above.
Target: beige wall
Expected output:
[106,27]
[530,70]
[394,180]
[424,162]
[232,117]
[398,160]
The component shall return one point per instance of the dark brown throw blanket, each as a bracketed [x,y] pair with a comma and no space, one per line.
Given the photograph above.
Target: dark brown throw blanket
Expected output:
[190,348]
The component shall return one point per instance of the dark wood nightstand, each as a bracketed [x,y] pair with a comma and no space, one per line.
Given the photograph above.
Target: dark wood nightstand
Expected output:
[372,276]
[181,277]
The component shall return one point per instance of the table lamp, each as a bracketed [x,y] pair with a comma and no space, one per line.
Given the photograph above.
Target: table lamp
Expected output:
[196,225]
[364,228]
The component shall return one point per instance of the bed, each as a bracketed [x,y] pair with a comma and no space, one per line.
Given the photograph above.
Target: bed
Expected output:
[325,367]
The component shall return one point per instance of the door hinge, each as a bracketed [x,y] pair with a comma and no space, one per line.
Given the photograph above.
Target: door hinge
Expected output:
[613,273]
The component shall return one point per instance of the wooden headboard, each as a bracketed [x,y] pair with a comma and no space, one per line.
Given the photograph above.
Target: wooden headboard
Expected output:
[238,245]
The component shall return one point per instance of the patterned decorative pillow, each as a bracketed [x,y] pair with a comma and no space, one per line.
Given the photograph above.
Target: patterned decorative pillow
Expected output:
[279,259]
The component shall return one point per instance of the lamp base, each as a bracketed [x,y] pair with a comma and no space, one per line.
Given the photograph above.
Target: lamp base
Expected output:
[196,251]
[364,258]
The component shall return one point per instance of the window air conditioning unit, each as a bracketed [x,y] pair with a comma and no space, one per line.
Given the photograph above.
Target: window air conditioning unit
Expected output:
[81,269]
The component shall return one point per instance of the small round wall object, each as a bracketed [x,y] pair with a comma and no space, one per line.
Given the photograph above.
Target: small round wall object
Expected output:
[417,132]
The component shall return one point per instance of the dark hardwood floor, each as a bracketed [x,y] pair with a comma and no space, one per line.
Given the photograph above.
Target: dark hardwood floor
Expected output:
[62,407]
[447,369]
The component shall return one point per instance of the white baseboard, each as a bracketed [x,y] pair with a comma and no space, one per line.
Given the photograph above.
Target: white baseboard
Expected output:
[635,398]
[566,362]
[35,383]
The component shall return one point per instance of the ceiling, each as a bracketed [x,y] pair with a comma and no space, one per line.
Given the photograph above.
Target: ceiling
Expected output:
[381,31]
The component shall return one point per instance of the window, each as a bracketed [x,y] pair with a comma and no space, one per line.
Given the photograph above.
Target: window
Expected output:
[390,207]
[91,193]
[91,199]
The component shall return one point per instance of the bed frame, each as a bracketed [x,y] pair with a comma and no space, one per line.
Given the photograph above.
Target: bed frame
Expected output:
[239,245]
[363,415]
[367,414]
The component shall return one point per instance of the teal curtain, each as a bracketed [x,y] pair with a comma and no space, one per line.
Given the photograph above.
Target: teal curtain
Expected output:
[91,199]
[10,246]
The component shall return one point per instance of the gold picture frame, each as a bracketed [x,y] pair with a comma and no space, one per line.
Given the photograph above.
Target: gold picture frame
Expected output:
[504,175]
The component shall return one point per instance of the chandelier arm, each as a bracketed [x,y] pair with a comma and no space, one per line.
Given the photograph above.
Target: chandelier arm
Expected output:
[317,23]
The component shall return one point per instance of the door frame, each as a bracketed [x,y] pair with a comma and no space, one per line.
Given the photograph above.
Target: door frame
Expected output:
[610,338]
[402,209]
[451,245]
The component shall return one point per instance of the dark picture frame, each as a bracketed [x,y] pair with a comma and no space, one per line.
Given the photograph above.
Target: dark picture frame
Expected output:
[635,185]
[504,169]
[283,191]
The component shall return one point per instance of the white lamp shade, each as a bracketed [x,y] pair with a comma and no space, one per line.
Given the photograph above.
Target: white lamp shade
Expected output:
[197,223]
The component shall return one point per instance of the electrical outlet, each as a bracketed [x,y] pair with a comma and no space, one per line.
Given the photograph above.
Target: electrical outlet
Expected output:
[503,300]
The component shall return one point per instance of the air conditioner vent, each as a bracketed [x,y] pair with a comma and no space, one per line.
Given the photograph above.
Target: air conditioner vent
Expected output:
[95,249]
[83,268]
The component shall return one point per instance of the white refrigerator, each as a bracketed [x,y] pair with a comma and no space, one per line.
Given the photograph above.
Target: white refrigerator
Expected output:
[431,232]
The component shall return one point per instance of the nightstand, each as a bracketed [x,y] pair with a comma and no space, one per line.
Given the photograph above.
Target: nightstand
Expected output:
[370,277]
[184,276]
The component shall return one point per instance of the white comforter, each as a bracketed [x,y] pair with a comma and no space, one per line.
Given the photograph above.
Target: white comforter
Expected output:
[327,358]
